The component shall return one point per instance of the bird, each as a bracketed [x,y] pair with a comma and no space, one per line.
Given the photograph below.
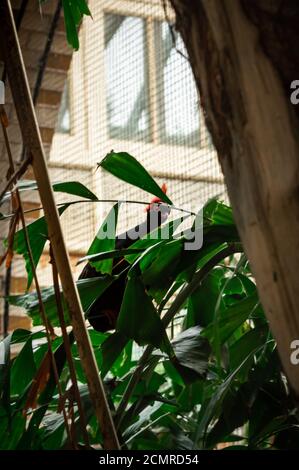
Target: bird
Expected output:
[104,312]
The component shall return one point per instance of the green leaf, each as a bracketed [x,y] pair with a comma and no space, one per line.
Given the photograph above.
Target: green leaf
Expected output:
[240,349]
[158,267]
[128,169]
[165,232]
[105,241]
[192,354]
[231,417]
[112,254]
[70,25]
[110,349]
[229,319]
[143,418]
[83,7]
[191,395]
[23,369]
[158,272]
[173,374]
[138,318]
[143,388]
[124,361]
[273,427]
[13,433]
[21,336]
[74,188]
[73,13]
[218,213]
[38,235]
[76,14]
[53,435]
[89,291]
[202,303]
[212,408]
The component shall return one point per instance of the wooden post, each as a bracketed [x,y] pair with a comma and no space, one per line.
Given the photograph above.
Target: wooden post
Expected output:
[243,58]
[32,140]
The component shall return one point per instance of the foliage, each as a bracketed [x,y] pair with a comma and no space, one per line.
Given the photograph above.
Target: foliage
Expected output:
[73,10]
[218,380]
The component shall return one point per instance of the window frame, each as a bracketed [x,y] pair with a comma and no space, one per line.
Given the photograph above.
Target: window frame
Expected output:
[140,136]
[126,9]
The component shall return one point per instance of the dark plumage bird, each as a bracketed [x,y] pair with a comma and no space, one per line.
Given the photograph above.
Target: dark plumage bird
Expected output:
[104,312]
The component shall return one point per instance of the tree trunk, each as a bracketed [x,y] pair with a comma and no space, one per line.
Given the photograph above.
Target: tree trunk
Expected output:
[244,56]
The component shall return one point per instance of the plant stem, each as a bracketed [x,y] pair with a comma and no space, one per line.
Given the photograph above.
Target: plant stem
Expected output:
[114,201]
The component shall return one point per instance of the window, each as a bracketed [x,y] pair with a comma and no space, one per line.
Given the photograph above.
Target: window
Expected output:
[126,77]
[63,120]
[142,90]
[177,95]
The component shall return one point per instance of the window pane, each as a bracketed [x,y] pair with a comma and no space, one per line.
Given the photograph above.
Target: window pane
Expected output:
[177,95]
[126,77]
[63,120]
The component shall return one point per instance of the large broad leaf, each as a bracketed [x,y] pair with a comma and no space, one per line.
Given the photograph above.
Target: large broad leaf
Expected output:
[89,291]
[75,188]
[165,232]
[144,418]
[231,417]
[127,168]
[191,395]
[23,369]
[227,320]
[73,13]
[105,241]
[265,409]
[38,235]
[111,254]
[157,273]
[124,361]
[192,353]
[218,213]
[138,318]
[12,431]
[212,408]
[158,266]
[240,349]
[202,303]
[111,349]
[144,387]
[215,237]
[53,432]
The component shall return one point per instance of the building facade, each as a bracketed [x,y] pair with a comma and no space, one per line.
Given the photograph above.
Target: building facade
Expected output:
[129,88]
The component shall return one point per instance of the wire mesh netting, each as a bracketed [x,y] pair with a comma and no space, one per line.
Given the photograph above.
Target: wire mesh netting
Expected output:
[130,88]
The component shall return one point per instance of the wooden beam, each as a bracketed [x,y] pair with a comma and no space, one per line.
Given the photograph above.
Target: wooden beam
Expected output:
[243,66]
[32,140]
